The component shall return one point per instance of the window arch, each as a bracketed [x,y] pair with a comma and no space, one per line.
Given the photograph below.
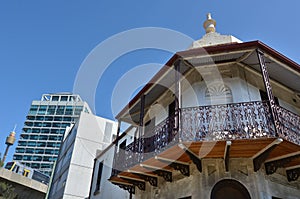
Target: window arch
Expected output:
[218,93]
[228,189]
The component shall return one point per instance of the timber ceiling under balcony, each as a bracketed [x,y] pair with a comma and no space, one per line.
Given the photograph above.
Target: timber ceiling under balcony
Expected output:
[280,68]
[268,154]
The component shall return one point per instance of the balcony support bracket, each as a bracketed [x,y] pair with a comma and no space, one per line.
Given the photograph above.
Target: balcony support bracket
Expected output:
[195,159]
[152,180]
[139,184]
[183,167]
[167,175]
[226,155]
[272,166]
[263,155]
[126,187]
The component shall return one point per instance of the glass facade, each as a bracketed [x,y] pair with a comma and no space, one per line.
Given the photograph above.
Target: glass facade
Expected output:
[44,128]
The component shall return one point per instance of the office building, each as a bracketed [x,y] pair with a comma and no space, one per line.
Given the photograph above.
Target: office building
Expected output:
[44,128]
[74,167]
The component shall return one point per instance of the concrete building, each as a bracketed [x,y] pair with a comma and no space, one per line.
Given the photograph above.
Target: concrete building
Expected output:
[100,188]
[47,119]
[23,186]
[219,120]
[74,167]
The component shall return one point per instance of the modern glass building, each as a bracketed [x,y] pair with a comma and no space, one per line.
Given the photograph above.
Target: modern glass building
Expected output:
[44,128]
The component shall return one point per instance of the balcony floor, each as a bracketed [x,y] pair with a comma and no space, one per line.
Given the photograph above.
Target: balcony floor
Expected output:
[243,148]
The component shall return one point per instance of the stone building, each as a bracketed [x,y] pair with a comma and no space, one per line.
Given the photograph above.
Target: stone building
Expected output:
[219,120]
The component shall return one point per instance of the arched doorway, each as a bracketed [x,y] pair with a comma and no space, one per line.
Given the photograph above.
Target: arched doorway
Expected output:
[229,189]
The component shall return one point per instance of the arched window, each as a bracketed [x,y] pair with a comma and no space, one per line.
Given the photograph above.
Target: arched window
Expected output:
[228,189]
[218,93]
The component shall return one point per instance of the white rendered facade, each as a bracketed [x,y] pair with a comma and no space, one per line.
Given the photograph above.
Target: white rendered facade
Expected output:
[100,187]
[74,167]
[225,125]
[44,128]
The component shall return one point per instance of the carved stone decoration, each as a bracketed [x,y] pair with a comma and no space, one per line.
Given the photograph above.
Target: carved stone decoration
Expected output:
[211,169]
[272,166]
[218,93]
[152,180]
[195,160]
[129,188]
[167,175]
[293,174]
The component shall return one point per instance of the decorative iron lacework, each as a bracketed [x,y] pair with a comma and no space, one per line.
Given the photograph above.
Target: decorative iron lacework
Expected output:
[228,121]
[248,120]
[289,125]
[153,143]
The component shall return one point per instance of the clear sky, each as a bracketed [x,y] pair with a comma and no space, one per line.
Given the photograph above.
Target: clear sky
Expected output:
[43,43]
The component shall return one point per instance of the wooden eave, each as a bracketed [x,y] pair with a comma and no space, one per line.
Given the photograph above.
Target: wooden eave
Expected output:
[210,51]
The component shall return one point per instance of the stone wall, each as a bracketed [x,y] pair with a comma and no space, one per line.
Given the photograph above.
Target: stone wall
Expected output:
[200,185]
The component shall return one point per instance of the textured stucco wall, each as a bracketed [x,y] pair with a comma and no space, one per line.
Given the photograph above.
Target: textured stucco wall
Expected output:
[200,185]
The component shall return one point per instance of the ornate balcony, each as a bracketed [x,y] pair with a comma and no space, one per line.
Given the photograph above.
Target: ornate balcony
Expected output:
[239,121]
[227,122]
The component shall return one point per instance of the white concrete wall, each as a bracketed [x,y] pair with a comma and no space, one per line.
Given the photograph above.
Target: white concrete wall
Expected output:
[73,175]
[107,190]
[241,92]
[289,107]
[129,137]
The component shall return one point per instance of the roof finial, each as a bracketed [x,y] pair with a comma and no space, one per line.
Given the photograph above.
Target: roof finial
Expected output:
[210,24]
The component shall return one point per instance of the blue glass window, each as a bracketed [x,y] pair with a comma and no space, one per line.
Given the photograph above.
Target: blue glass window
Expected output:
[37,158]
[68,119]
[43,137]
[20,150]
[22,143]
[17,157]
[64,98]
[60,110]
[31,143]
[35,165]
[48,118]
[34,137]
[51,110]
[27,157]
[44,130]
[29,150]
[41,144]
[35,130]
[55,98]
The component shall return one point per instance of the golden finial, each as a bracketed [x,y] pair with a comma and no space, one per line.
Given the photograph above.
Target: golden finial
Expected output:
[210,24]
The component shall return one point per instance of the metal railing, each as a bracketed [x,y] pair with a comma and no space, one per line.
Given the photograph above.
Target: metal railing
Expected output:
[248,120]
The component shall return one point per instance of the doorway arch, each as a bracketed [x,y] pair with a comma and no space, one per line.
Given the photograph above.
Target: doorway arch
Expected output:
[229,189]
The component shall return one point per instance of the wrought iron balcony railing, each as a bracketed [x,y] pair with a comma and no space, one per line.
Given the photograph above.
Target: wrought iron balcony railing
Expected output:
[226,122]
[289,125]
[249,120]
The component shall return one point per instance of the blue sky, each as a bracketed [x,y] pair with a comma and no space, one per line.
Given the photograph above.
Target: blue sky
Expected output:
[43,43]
